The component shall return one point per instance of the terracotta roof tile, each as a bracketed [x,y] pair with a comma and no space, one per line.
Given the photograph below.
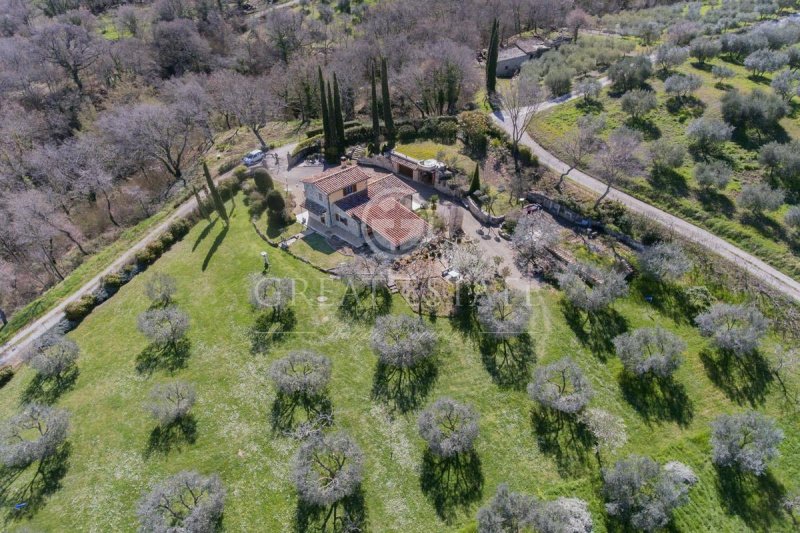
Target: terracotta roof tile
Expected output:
[394,221]
[338,178]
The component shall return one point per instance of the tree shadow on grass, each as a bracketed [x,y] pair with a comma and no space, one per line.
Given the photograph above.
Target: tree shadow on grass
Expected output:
[204,233]
[366,304]
[404,389]
[755,499]
[766,226]
[349,514]
[754,138]
[590,106]
[171,357]
[284,413]
[564,438]
[669,181]
[647,127]
[46,480]
[716,202]
[744,380]
[685,107]
[164,438]
[667,298]
[214,247]
[49,390]
[508,361]
[271,327]
[463,318]
[657,399]
[451,482]
[595,330]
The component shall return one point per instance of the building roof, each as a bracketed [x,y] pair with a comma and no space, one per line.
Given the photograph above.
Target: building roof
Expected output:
[394,222]
[512,52]
[337,178]
[380,208]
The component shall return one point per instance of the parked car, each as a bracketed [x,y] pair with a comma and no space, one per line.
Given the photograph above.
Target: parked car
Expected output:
[256,156]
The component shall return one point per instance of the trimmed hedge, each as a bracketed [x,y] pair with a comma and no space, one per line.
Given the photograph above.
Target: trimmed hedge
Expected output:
[313,132]
[80,309]
[6,373]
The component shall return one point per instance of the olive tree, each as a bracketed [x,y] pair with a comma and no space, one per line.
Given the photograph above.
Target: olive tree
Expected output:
[721,72]
[328,469]
[505,314]
[302,373]
[783,162]
[666,155]
[792,217]
[561,387]
[402,341]
[275,294]
[160,289]
[713,174]
[506,512]
[53,356]
[760,197]
[165,327]
[655,351]
[682,85]
[669,56]
[762,61]
[563,515]
[471,264]
[664,261]
[591,288]
[703,49]
[705,134]
[745,441]
[759,109]
[638,102]
[366,277]
[187,501]
[449,427]
[784,84]
[532,239]
[630,72]
[734,328]
[643,493]
[590,88]
[171,402]
[34,434]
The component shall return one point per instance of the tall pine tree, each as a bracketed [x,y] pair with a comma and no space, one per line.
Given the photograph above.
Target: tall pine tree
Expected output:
[386,101]
[212,189]
[338,117]
[326,130]
[491,59]
[376,125]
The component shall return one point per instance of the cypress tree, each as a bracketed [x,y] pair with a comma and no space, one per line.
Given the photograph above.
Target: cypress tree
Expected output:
[491,59]
[218,203]
[376,125]
[475,184]
[326,130]
[386,101]
[332,149]
[200,207]
[338,117]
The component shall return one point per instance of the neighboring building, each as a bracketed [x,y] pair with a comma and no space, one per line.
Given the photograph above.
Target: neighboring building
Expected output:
[358,206]
[511,58]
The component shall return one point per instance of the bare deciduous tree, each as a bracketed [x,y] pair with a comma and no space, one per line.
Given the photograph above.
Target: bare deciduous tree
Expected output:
[53,356]
[164,327]
[521,99]
[160,289]
[653,351]
[506,512]
[561,386]
[187,501]
[402,341]
[617,159]
[449,427]
[301,373]
[328,469]
[32,435]
[591,288]
[171,402]
[734,328]
[745,441]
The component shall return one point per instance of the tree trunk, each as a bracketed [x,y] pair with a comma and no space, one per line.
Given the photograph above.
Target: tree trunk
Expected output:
[108,209]
[608,189]
[255,131]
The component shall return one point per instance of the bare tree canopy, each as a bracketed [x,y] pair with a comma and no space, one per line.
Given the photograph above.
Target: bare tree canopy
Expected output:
[506,512]
[164,326]
[171,402]
[533,238]
[301,372]
[187,501]
[402,341]
[591,288]
[160,289]
[734,328]
[53,356]
[561,386]
[271,293]
[32,435]
[328,469]
[563,515]
[504,314]
[745,441]
[664,261]
[650,350]
[449,427]
[644,494]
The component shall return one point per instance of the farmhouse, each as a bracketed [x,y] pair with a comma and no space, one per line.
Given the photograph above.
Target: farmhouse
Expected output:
[361,207]
[511,58]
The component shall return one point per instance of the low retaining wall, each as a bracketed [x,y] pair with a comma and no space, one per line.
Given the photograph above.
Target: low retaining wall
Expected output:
[558,210]
[482,215]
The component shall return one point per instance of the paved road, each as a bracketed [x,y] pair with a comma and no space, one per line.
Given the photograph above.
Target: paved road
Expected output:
[14,349]
[752,264]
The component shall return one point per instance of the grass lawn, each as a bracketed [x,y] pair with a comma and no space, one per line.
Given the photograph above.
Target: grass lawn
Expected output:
[678,193]
[316,249]
[422,150]
[109,466]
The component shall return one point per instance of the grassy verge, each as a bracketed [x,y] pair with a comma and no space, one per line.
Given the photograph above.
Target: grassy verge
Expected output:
[110,463]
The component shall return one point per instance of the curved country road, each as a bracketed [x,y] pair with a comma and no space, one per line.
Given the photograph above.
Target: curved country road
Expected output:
[755,266]
[12,351]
